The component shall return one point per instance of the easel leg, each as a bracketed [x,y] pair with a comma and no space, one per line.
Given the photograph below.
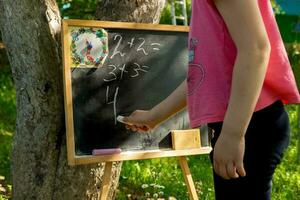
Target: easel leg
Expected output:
[188,178]
[106,181]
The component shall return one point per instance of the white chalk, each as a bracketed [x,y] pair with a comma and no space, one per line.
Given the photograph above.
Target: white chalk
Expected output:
[121,119]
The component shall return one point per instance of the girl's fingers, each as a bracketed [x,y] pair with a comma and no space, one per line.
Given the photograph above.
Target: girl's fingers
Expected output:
[216,167]
[132,124]
[137,128]
[134,128]
[220,169]
[223,171]
[127,126]
[127,119]
[143,129]
[240,169]
[231,170]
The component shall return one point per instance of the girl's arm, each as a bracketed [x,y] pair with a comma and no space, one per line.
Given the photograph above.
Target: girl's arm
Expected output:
[246,27]
[142,120]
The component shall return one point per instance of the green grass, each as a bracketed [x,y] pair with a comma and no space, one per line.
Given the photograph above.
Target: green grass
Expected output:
[7,124]
[156,177]
[163,177]
[7,118]
[286,182]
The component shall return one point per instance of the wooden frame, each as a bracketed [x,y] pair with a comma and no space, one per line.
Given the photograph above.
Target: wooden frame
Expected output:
[128,155]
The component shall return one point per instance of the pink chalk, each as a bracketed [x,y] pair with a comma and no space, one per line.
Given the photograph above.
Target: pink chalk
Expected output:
[106,151]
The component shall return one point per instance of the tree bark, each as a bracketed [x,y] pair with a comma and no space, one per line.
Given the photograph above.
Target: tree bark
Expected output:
[31,34]
[141,11]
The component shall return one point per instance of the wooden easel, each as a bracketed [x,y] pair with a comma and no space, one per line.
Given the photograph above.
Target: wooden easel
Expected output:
[188,178]
[184,167]
[106,181]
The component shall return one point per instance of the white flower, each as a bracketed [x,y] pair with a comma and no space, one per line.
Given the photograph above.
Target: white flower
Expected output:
[161,186]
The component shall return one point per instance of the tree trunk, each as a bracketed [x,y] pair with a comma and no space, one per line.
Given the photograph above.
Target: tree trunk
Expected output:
[141,11]
[31,33]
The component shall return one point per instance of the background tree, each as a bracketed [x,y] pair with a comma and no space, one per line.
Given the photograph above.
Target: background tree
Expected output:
[141,11]
[31,32]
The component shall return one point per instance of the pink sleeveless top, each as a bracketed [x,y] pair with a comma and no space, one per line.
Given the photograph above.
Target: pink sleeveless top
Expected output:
[212,54]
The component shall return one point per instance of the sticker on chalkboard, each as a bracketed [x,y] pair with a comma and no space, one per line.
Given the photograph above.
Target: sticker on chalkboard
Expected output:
[89,47]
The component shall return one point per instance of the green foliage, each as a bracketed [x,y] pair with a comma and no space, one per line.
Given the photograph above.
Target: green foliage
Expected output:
[7,115]
[276,7]
[79,9]
[287,25]
[7,98]
[5,151]
[286,182]
[166,14]
[294,57]
[6,191]
[85,9]
[7,122]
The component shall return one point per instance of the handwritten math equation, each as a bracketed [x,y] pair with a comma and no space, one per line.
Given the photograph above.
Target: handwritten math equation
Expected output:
[140,46]
[124,48]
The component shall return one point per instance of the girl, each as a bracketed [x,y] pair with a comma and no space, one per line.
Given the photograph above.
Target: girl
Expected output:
[239,77]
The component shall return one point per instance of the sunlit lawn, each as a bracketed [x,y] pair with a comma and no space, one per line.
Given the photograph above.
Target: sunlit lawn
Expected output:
[7,125]
[156,177]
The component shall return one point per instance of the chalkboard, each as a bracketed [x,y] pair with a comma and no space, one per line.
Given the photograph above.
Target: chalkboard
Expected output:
[135,67]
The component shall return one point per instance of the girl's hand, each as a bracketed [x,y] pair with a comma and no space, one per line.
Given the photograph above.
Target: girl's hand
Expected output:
[140,121]
[228,156]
